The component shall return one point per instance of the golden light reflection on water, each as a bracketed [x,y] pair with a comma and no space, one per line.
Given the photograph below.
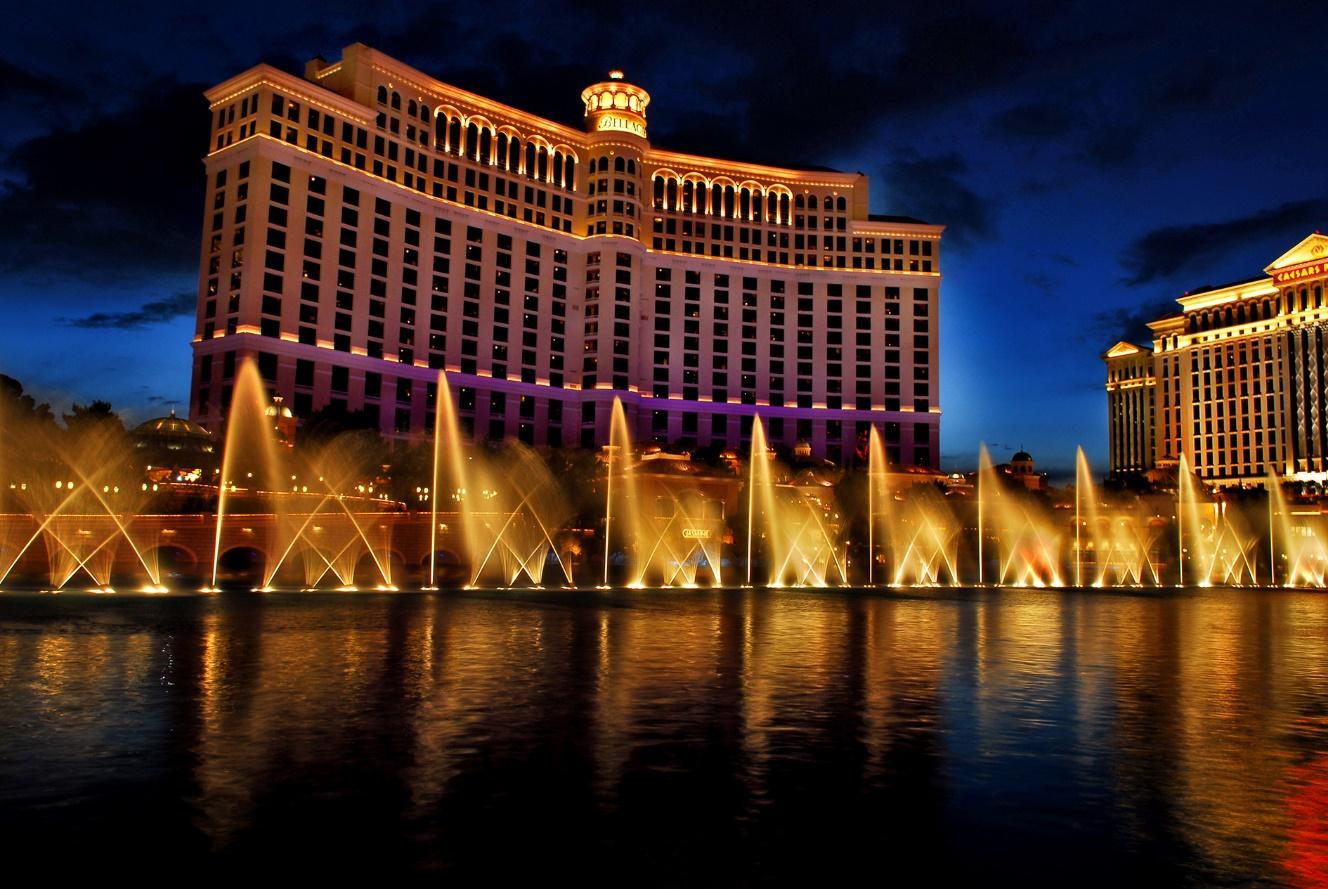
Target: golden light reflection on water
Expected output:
[1201,719]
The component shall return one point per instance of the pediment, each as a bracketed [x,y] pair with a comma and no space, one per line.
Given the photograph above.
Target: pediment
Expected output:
[1311,250]
[1122,349]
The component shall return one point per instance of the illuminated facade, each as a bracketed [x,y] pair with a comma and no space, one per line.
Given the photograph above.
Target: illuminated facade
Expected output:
[1239,377]
[368,225]
[1131,389]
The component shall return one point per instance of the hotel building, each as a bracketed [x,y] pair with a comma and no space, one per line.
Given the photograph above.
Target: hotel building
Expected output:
[368,226]
[1236,381]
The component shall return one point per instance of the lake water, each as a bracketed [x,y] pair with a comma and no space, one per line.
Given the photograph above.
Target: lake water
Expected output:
[676,738]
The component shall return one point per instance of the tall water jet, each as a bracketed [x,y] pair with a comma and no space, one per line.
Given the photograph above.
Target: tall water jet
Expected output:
[249,454]
[1028,548]
[657,514]
[801,534]
[1122,540]
[1299,537]
[450,485]
[1213,535]
[620,491]
[918,527]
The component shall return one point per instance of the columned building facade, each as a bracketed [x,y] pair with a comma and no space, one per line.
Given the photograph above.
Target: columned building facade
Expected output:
[1131,388]
[1240,376]
[368,226]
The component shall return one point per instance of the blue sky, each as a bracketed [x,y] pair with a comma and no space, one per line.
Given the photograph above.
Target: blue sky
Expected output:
[1092,162]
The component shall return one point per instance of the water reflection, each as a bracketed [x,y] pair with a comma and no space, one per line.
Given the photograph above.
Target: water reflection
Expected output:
[677,737]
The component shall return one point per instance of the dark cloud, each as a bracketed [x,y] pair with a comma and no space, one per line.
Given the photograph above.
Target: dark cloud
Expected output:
[20,85]
[154,312]
[1126,323]
[1164,252]
[1114,144]
[111,198]
[932,189]
[1035,121]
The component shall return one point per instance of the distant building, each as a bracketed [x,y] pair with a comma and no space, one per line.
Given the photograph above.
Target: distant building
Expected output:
[172,449]
[1131,388]
[368,225]
[1238,379]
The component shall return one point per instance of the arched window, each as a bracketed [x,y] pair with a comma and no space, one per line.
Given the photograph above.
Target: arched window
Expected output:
[688,196]
[828,203]
[799,203]
[659,192]
[619,164]
[557,168]
[411,108]
[728,201]
[672,196]
[702,193]
[472,141]
[841,204]
[530,160]
[502,150]
[569,173]
[543,160]
[631,166]
[604,163]
[486,146]
[784,209]
[745,204]
[716,199]
[514,154]
[454,135]
[382,95]
[396,101]
[425,113]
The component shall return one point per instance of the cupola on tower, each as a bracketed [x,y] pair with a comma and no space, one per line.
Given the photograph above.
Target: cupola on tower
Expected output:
[615,113]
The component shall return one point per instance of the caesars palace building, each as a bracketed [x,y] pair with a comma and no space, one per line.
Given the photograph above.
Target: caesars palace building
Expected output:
[1236,381]
[368,226]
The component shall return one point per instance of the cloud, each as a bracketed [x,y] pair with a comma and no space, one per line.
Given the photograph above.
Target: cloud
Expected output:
[1163,252]
[111,197]
[1127,323]
[154,312]
[19,85]
[932,189]
[1035,121]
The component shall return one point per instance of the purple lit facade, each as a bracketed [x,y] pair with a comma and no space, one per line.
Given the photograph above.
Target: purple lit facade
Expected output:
[368,226]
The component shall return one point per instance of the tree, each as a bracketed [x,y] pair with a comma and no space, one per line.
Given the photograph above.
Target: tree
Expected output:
[95,417]
[21,409]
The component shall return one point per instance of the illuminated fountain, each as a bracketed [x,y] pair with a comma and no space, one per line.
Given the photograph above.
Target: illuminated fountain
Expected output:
[507,501]
[1299,537]
[77,513]
[916,527]
[250,462]
[800,532]
[1112,547]
[86,513]
[654,513]
[333,532]
[1216,545]
[1027,546]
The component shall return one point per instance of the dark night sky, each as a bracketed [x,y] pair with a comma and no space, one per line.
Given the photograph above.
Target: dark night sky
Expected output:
[1092,161]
